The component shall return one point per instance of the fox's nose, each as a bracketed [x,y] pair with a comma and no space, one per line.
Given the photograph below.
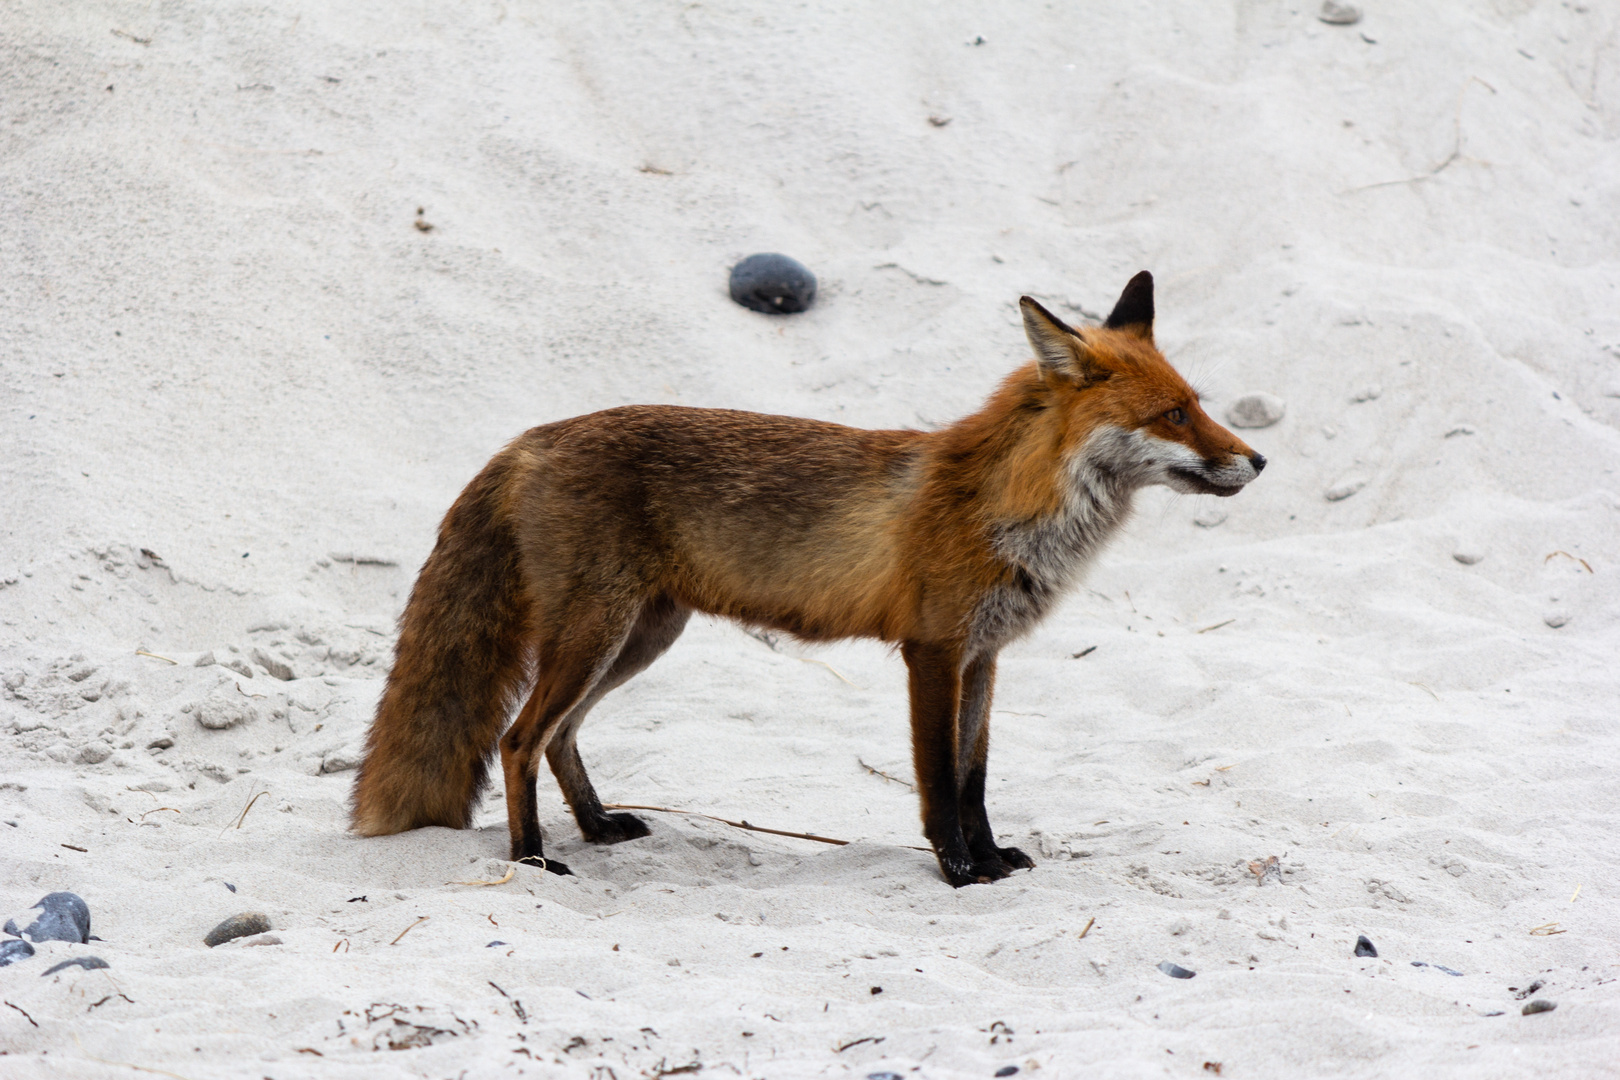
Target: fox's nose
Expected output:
[1258,461]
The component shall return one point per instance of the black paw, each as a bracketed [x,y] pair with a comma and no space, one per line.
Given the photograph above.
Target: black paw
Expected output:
[1015,858]
[551,866]
[973,872]
[614,829]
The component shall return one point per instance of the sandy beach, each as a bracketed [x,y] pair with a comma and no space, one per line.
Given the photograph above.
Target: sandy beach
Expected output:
[279,279]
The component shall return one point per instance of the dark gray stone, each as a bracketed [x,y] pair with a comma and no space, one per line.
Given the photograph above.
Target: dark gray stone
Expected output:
[774,284]
[14,950]
[248,922]
[1538,1006]
[89,963]
[1364,946]
[65,917]
[1176,971]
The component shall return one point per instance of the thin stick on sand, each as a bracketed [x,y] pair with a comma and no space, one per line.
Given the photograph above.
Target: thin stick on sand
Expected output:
[728,821]
[886,776]
[155,656]
[245,810]
[746,825]
[420,919]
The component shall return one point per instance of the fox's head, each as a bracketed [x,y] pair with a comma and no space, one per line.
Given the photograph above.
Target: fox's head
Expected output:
[1131,414]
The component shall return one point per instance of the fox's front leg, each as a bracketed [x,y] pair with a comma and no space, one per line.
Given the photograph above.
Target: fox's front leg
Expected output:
[973,752]
[936,695]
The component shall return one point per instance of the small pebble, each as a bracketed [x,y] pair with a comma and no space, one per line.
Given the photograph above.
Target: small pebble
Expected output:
[1527,991]
[65,917]
[1364,946]
[1538,1005]
[91,963]
[248,922]
[231,887]
[884,1076]
[1335,13]
[1371,393]
[1468,558]
[492,944]
[1344,489]
[14,950]
[1555,619]
[773,284]
[1176,971]
[1007,1070]
[1256,410]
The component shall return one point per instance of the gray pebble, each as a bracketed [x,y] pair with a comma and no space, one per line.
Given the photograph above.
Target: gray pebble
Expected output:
[1256,410]
[14,950]
[89,963]
[884,1076]
[1176,971]
[773,284]
[1468,558]
[1335,13]
[1538,1006]
[238,665]
[1344,489]
[65,917]
[1364,946]
[205,660]
[1371,393]
[492,944]
[1555,619]
[249,922]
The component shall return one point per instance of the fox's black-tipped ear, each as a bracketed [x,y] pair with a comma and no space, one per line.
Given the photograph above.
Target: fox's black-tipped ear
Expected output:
[1134,312]
[1060,351]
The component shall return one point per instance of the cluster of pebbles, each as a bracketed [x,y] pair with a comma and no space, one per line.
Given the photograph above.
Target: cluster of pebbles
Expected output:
[64,916]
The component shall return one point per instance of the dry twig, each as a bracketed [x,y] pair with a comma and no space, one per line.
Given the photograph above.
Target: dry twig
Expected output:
[886,776]
[420,919]
[1567,555]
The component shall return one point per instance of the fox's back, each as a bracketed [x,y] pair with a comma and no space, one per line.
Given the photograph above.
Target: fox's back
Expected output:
[777,520]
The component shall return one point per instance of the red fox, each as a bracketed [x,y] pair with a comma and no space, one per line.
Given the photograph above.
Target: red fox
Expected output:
[575,557]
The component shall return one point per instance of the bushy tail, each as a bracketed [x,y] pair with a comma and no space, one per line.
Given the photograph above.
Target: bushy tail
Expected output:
[459,666]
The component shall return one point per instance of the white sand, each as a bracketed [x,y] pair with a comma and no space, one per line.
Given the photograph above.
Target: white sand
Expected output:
[224,342]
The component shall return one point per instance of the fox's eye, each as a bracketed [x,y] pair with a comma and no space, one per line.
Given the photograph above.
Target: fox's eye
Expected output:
[1176,416]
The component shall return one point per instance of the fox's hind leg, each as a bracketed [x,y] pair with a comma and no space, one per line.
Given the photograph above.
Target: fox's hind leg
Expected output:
[973,749]
[660,623]
[574,650]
